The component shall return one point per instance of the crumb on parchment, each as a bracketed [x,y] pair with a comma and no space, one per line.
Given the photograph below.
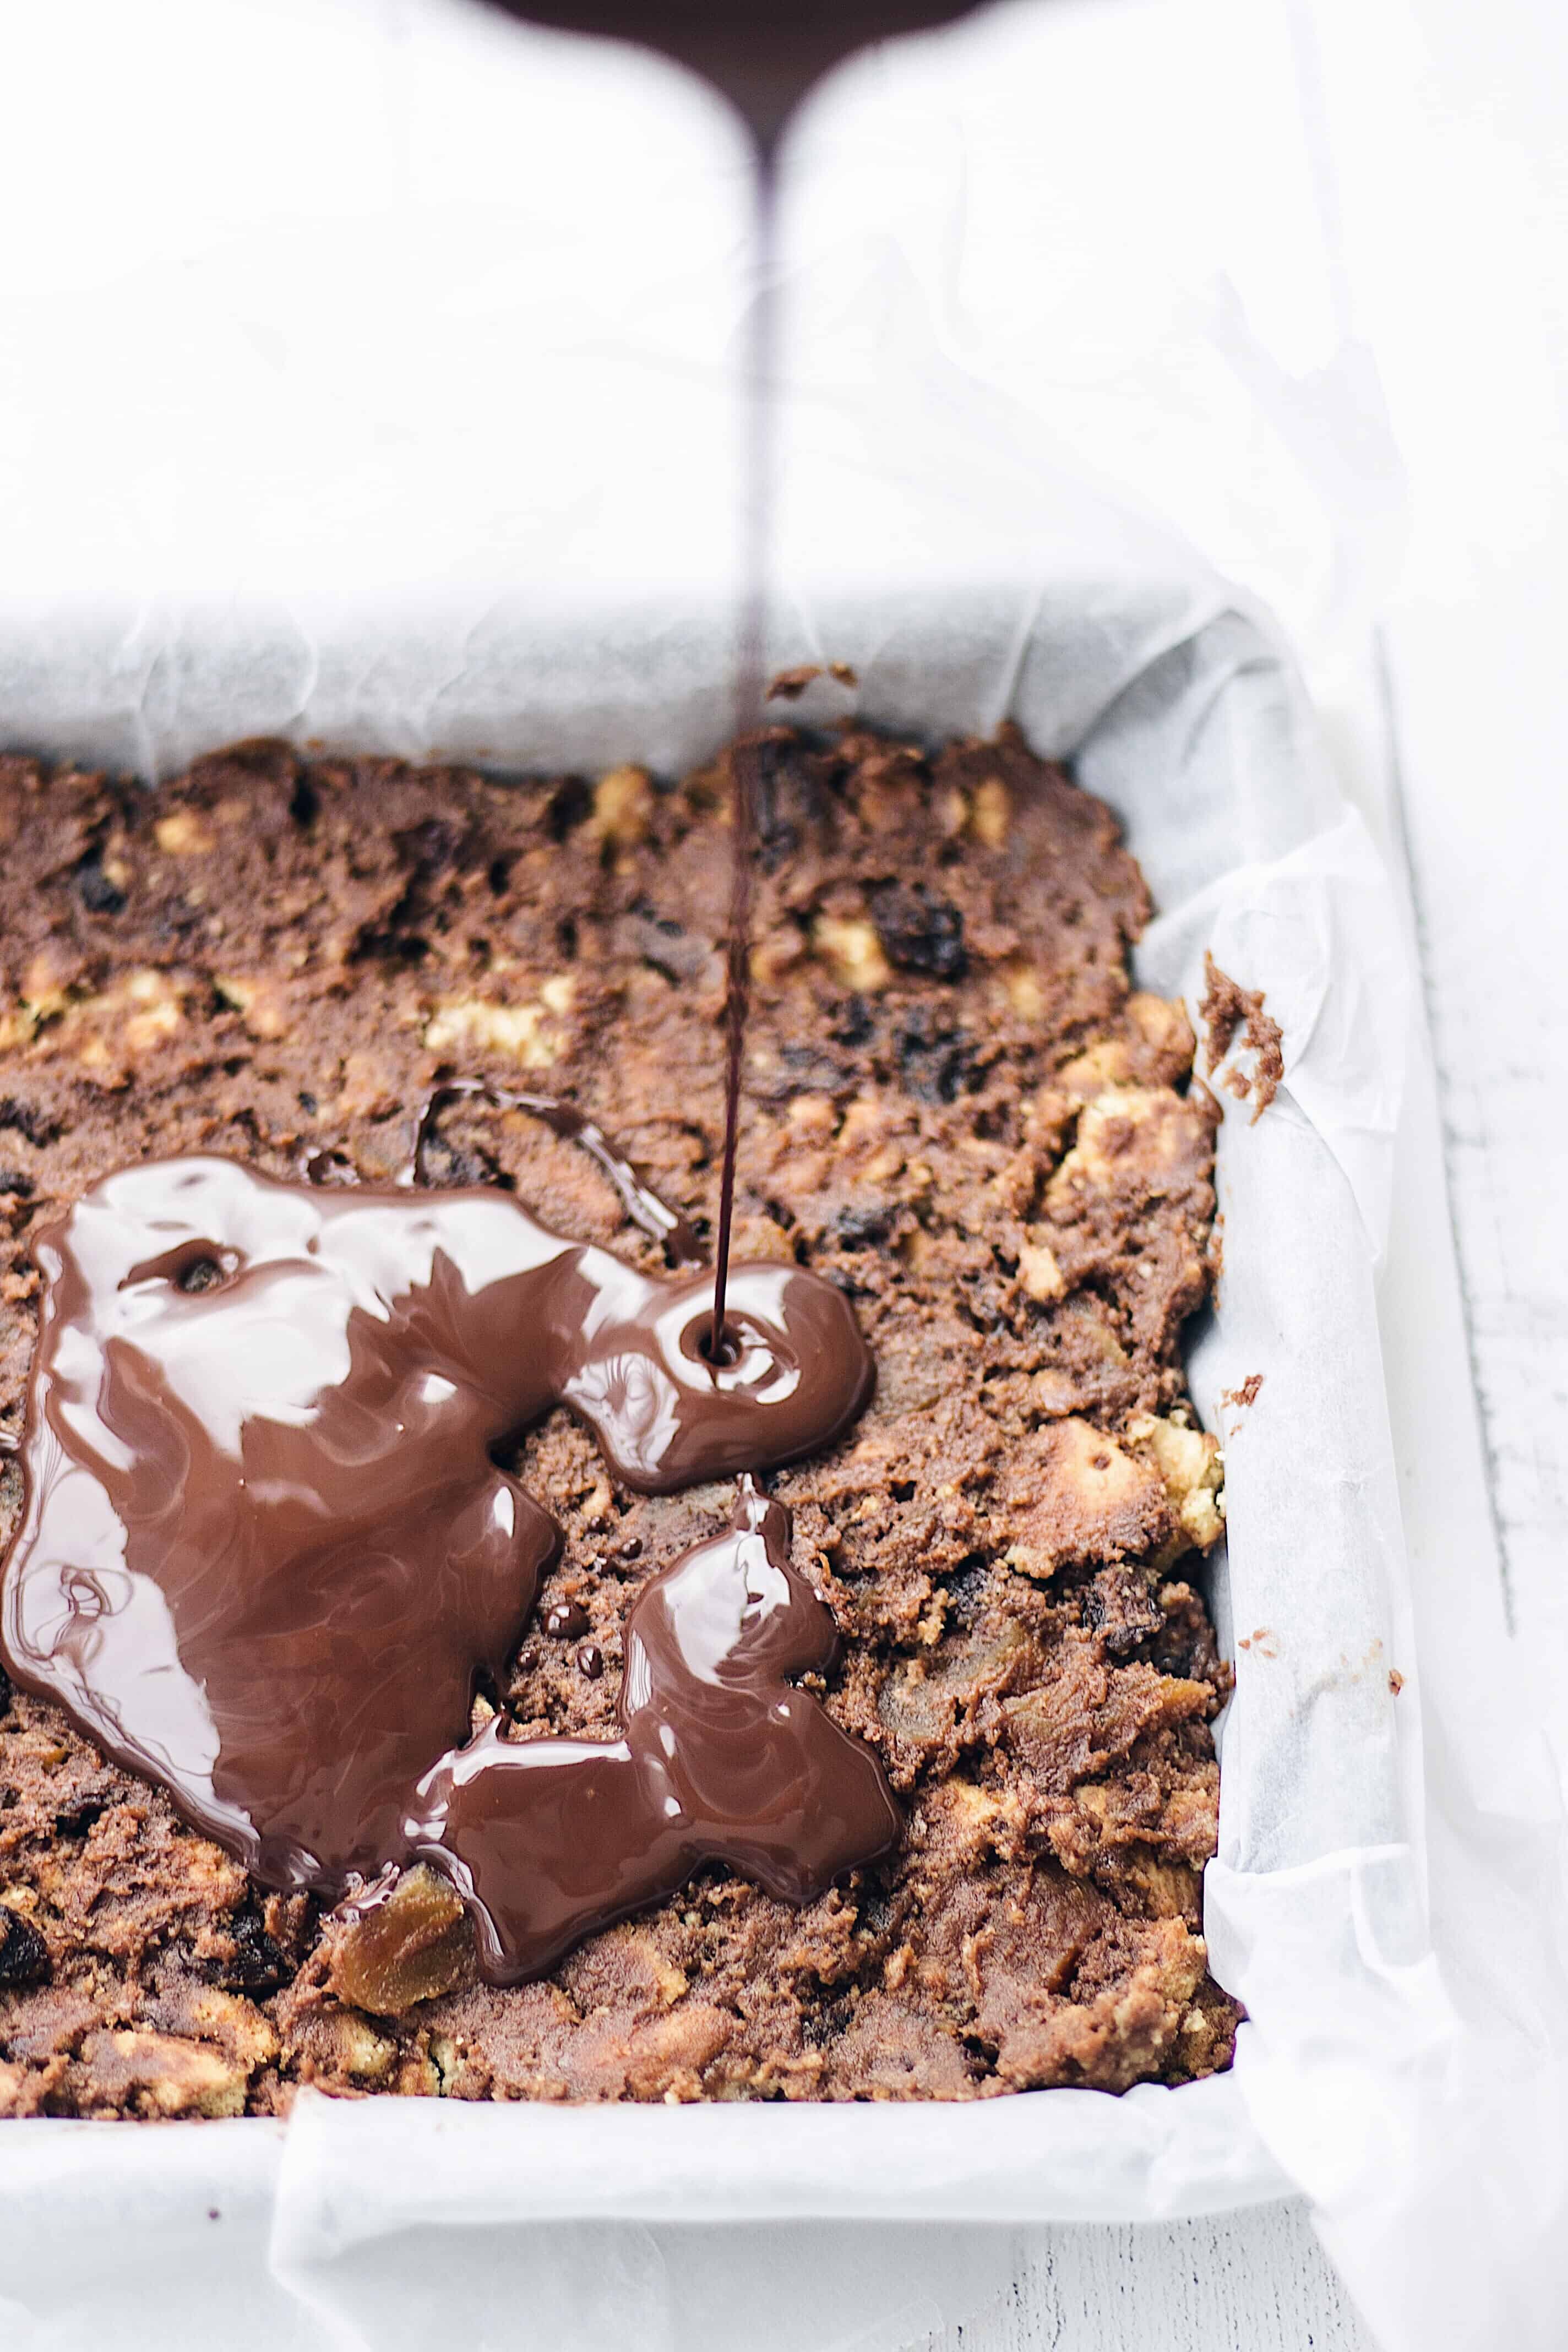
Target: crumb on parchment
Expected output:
[1229,1010]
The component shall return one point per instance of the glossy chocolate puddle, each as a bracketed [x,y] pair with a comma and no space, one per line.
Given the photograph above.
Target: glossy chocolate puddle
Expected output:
[267,1553]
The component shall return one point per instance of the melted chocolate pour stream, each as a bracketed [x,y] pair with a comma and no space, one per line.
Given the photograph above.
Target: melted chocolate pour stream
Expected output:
[763,58]
[266,1551]
[749,698]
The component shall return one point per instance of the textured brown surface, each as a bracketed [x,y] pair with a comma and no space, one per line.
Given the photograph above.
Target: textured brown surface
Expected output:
[956,1108]
[1229,1010]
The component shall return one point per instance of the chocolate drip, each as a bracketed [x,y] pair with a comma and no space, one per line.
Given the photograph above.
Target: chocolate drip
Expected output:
[720,1759]
[265,1550]
[751,697]
[764,59]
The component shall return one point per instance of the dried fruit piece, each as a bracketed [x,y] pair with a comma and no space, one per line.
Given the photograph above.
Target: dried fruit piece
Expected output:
[24,1955]
[920,932]
[406,1946]
[257,1967]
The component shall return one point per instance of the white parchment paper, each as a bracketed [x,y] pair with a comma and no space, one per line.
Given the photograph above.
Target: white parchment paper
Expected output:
[515,547]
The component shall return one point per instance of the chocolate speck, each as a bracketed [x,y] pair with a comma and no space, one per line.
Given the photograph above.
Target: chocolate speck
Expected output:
[591,1661]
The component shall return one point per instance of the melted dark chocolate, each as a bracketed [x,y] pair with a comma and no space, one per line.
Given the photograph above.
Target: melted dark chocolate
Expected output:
[765,58]
[720,1759]
[266,1550]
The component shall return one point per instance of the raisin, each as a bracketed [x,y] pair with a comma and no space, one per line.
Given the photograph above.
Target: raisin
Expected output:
[967,1589]
[29,1122]
[449,1165]
[919,932]
[75,1821]
[98,894]
[876,1912]
[858,1229]
[789,803]
[569,805]
[826,2023]
[432,843]
[24,1955]
[856,1025]
[937,1062]
[257,1967]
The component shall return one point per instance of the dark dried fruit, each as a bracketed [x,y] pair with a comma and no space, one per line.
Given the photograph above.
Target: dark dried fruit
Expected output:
[789,801]
[825,2021]
[876,1913]
[920,932]
[569,805]
[75,1821]
[937,1062]
[27,1119]
[856,1025]
[257,1967]
[968,1589]
[434,843]
[445,1165]
[858,1229]
[24,1955]
[98,894]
